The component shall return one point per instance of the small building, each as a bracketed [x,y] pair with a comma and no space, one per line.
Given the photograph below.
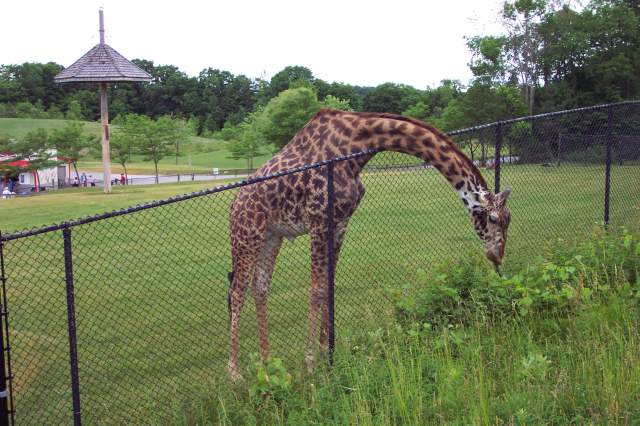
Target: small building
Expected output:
[21,179]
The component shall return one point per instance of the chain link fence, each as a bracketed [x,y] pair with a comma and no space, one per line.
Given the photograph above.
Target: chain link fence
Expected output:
[122,317]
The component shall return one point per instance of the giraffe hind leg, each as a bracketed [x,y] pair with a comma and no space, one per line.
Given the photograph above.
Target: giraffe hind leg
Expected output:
[230,278]
[245,253]
[317,294]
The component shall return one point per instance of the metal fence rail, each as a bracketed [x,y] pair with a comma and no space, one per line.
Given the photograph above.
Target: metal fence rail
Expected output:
[122,316]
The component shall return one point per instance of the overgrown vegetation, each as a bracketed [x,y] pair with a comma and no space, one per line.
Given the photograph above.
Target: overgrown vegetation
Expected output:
[554,343]
[557,283]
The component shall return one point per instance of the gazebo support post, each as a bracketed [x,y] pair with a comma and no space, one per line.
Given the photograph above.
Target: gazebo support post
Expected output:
[106,158]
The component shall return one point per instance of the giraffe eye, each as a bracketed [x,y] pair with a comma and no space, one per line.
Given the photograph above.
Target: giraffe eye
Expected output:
[493,217]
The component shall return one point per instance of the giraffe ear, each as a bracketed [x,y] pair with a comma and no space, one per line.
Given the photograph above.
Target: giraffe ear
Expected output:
[502,197]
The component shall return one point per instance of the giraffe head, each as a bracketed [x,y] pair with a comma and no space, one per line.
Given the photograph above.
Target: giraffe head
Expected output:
[491,223]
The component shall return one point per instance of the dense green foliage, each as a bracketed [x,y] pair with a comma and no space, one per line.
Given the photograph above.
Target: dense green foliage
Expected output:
[558,282]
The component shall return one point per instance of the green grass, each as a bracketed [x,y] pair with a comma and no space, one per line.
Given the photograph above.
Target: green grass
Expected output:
[151,287]
[19,127]
[532,371]
[61,205]
[202,162]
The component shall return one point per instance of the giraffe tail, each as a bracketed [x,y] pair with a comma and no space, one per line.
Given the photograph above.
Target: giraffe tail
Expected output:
[230,277]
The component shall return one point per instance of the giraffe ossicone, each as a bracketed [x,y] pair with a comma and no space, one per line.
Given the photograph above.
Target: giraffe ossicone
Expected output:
[264,213]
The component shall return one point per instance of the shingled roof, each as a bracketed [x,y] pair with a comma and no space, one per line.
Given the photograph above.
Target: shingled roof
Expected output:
[102,64]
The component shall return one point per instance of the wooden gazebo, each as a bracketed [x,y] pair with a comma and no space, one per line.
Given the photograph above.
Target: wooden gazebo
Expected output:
[102,64]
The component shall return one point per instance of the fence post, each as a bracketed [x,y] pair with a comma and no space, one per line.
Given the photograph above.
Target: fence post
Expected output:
[71,323]
[331,259]
[497,161]
[607,166]
[5,363]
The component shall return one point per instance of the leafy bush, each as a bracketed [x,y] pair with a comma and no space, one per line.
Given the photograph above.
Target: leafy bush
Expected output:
[558,282]
[7,110]
[269,379]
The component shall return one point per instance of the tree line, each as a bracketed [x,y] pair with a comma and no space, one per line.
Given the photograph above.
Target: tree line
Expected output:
[551,55]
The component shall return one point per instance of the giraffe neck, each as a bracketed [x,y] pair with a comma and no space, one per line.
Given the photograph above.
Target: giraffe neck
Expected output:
[387,132]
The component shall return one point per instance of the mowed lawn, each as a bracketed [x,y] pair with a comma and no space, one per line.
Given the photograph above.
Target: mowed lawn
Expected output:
[150,288]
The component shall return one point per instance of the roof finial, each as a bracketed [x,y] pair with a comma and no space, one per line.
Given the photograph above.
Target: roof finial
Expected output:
[101,12]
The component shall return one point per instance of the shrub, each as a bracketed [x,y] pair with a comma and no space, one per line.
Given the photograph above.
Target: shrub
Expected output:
[269,379]
[7,110]
[557,283]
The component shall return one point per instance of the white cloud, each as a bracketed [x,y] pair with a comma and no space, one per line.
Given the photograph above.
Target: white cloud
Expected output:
[358,42]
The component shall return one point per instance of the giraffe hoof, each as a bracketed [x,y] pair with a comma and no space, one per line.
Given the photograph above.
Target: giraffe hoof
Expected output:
[235,376]
[311,363]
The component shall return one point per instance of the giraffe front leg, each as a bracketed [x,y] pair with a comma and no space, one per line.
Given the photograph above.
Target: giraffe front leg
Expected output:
[261,282]
[317,295]
[324,325]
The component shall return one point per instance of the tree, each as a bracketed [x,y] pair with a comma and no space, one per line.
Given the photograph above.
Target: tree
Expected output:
[290,77]
[287,113]
[153,139]
[418,111]
[173,130]
[516,57]
[34,148]
[72,143]
[122,145]
[219,95]
[488,58]
[391,97]
[251,142]
[346,92]
[74,112]
[523,47]
[333,102]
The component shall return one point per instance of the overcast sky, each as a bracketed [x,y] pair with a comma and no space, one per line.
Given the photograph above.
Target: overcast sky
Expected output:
[364,42]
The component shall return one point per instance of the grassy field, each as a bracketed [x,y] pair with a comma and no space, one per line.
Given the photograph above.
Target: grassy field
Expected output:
[60,205]
[150,288]
[19,127]
[216,154]
[202,162]
[536,371]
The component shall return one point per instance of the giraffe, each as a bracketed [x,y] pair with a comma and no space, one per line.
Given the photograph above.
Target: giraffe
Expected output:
[264,213]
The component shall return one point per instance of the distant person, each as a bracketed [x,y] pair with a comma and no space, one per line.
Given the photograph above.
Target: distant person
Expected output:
[114,181]
[92,180]
[83,179]
[75,182]
[123,180]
